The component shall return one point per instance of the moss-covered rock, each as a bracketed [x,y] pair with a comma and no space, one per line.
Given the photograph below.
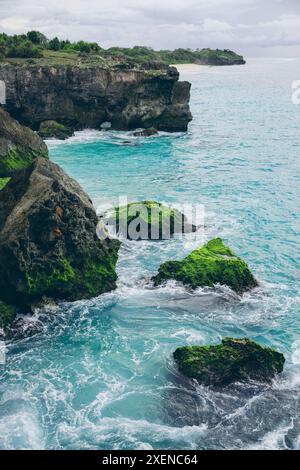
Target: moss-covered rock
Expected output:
[7,315]
[53,129]
[19,145]
[148,220]
[49,247]
[3,182]
[232,361]
[213,263]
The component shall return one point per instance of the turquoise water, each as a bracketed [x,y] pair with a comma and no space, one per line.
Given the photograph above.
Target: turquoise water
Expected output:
[99,374]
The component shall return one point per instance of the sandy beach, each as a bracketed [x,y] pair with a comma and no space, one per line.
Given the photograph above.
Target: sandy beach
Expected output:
[188,67]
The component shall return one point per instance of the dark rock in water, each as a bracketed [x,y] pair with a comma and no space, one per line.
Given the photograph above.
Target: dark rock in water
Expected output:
[148,220]
[7,315]
[232,361]
[89,95]
[48,242]
[53,129]
[23,327]
[146,132]
[213,263]
[19,146]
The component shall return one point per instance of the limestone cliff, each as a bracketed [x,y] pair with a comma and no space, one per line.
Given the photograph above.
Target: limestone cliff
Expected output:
[86,96]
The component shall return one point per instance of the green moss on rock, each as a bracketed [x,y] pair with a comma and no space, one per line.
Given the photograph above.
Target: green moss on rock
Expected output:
[148,220]
[49,248]
[231,361]
[213,263]
[64,279]
[19,145]
[53,129]
[3,182]
[7,315]
[16,158]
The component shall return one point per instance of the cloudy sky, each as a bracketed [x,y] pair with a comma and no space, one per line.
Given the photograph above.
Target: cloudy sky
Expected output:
[252,27]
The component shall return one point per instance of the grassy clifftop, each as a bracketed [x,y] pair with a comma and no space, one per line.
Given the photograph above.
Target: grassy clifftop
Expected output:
[35,48]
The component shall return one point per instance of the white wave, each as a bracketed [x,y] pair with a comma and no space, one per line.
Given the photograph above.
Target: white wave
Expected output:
[126,434]
[21,430]
[289,381]
[273,440]
[296,352]
[117,137]
[190,336]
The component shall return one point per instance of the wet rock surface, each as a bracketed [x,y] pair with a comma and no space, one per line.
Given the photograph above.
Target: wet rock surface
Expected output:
[19,145]
[211,264]
[48,243]
[148,220]
[231,361]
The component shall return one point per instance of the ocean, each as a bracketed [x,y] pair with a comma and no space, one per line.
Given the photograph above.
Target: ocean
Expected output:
[99,374]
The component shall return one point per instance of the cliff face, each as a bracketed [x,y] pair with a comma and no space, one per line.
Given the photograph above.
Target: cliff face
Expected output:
[19,146]
[82,97]
[49,248]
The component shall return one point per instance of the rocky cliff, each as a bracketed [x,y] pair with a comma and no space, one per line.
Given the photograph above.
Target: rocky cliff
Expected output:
[86,96]
[19,146]
[48,242]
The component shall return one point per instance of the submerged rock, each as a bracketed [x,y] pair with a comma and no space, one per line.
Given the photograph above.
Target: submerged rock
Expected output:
[148,220]
[146,132]
[19,145]
[232,361]
[53,129]
[48,242]
[213,263]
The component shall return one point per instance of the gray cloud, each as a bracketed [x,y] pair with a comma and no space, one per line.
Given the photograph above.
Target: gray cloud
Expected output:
[252,27]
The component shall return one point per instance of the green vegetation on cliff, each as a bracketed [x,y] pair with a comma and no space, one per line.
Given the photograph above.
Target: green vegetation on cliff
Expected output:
[233,360]
[34,45]
[213,263]
[19,145]
[178,56]
[3,182]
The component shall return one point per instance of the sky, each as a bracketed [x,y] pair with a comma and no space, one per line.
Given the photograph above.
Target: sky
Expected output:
[255,28]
